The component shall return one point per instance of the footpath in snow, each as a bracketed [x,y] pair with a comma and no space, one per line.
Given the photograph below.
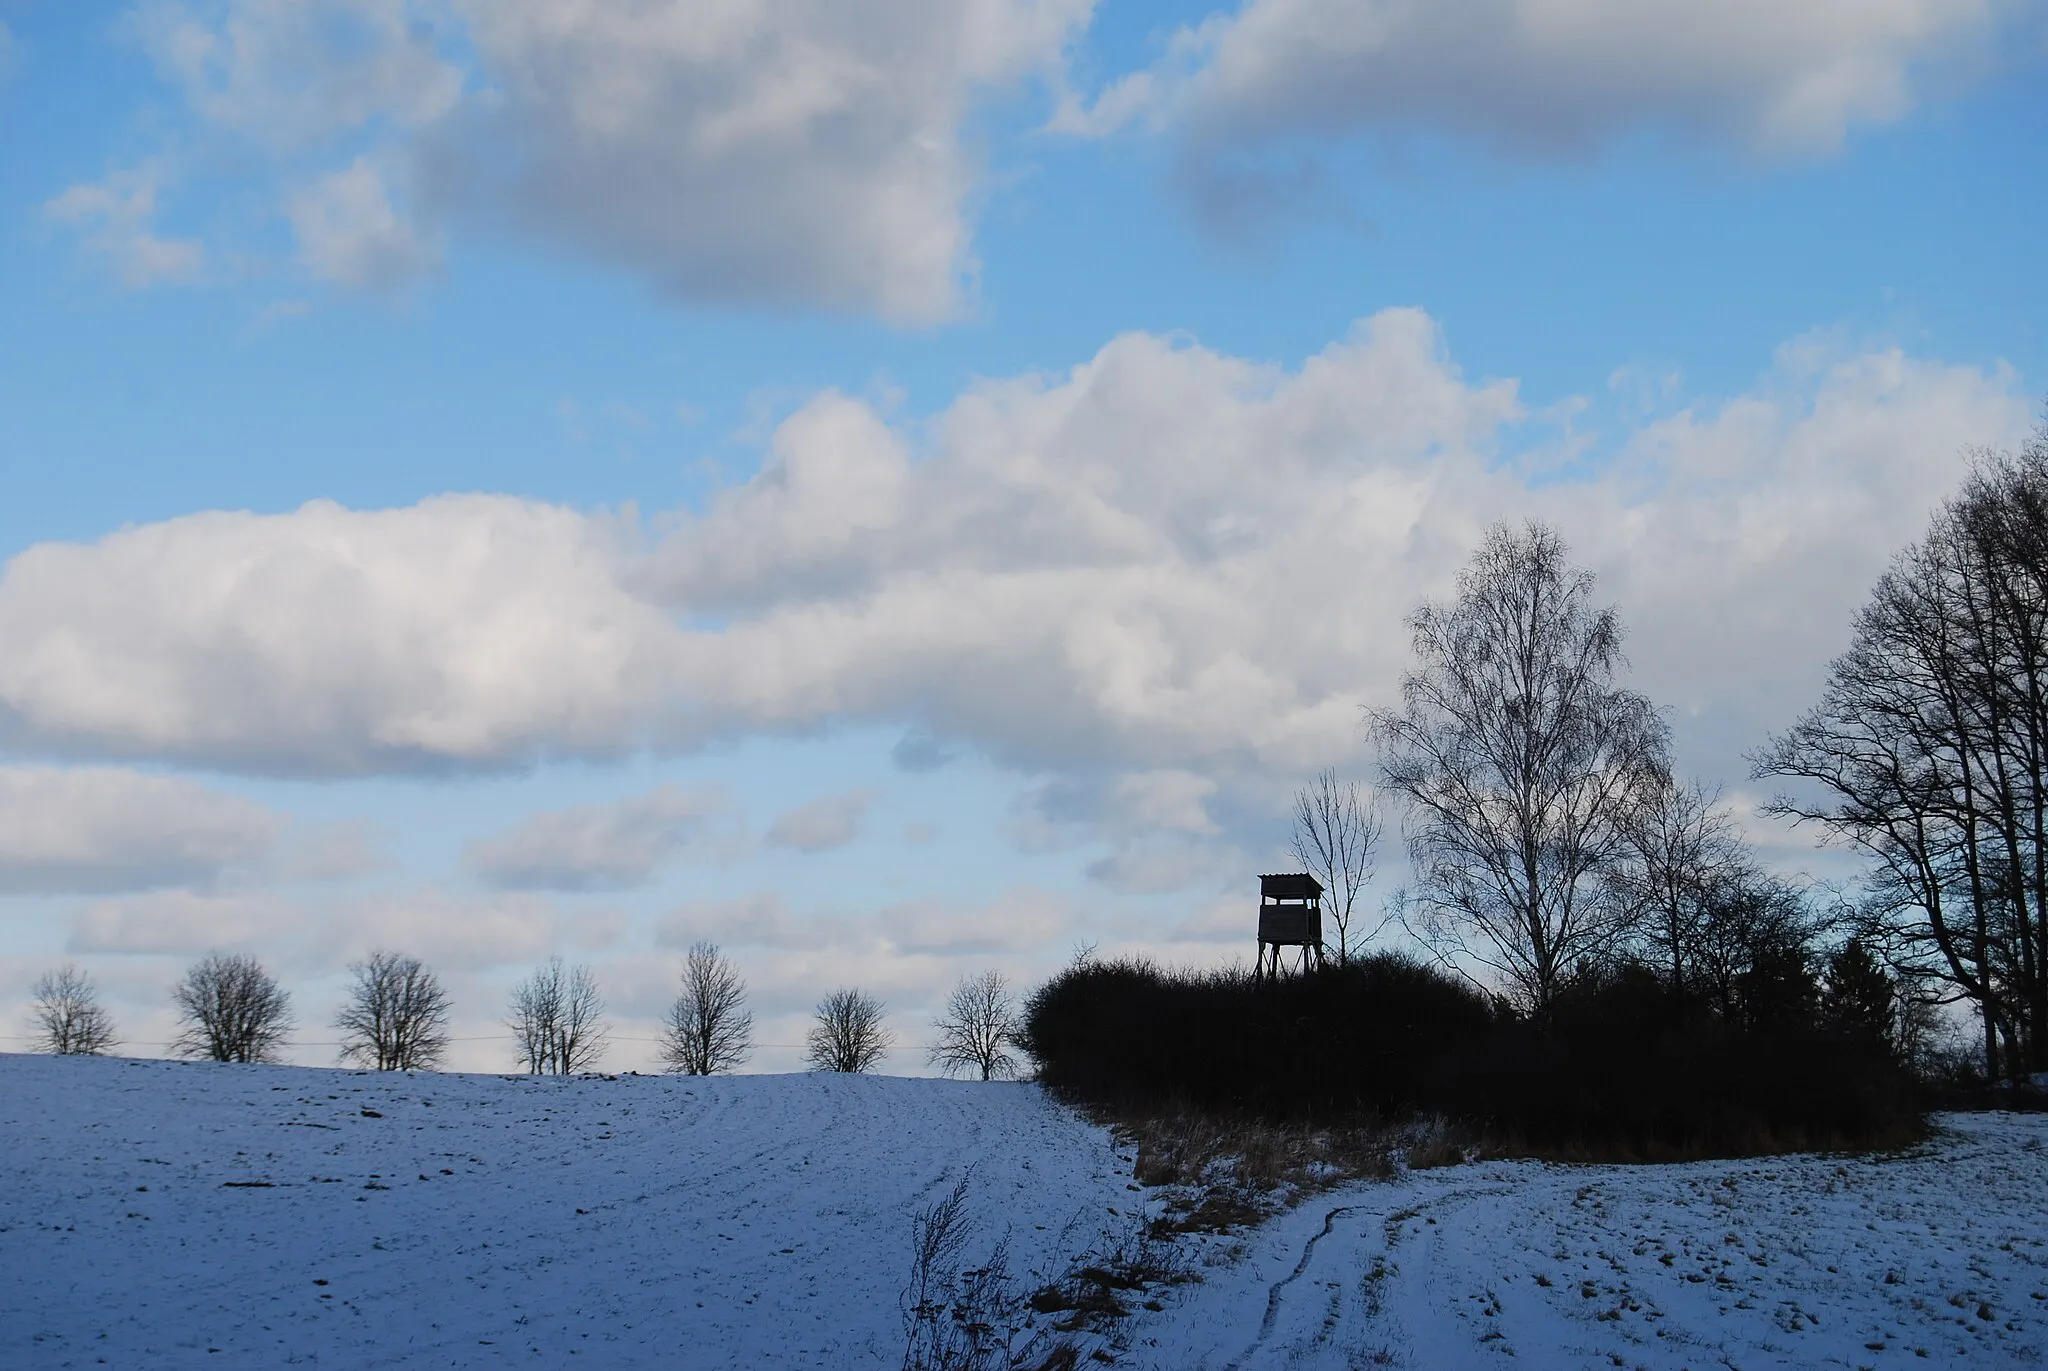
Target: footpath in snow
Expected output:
[153,1212]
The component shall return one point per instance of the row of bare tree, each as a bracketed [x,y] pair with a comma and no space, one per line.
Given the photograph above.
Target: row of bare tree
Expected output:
[396,1013]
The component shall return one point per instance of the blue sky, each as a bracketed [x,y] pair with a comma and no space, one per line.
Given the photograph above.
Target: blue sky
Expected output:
[906,495]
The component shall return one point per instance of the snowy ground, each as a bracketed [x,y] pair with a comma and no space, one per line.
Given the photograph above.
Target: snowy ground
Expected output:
[1940,1254]
[162,1215]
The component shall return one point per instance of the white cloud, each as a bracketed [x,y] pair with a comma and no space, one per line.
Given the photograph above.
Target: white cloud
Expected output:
[1158,822]
[760,920]
[1020,919]
[1162,864]
[1168,565]
[469,630]
[831,822]
[783,152]
[1549,76]
[798,152]
[613,846]
[169,922]
[116,218]
[292,74]
[1146,800]
[1129,564]
[1174,560]
[451,930]
[349,233]
[101,829]
[457,931]
[1764,522]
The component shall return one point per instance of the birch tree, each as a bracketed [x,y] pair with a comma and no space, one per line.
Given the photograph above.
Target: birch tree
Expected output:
[1522,766]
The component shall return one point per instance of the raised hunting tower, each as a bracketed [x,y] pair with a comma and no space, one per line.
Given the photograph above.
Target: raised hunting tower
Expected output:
[1290,915]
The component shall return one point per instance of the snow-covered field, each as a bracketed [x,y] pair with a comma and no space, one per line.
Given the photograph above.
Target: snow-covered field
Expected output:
[155,1214]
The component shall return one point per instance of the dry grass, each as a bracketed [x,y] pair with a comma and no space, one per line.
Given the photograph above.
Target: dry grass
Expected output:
[1238,1169]
[1223,1172]
[1098,1290]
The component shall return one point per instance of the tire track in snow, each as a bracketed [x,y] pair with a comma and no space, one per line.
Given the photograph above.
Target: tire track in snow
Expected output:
[1273,1295]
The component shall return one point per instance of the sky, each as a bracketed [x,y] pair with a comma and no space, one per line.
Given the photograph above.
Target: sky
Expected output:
[909,488]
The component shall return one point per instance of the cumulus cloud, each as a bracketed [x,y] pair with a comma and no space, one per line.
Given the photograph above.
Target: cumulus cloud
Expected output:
[477,630]
[1108,566]
[799,152]
[101,829]
[785,152]
[613,846]
[1549,76]
[1163,570]
[822,824]
[1170,560]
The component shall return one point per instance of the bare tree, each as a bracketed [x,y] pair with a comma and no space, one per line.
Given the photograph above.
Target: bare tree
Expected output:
[67,1015]
[978,1029]
[557,1019]
[231,1010]
[1336,839]
[709,1029]
[848,1035]
[1522,766]
[1750,922]
[1686,855]
[1929,751]
[396,1015]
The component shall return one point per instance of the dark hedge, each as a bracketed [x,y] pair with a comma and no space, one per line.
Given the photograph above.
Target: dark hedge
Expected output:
[1623,1067]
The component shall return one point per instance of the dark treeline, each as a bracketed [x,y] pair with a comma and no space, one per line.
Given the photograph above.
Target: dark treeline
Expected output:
[1622,1065]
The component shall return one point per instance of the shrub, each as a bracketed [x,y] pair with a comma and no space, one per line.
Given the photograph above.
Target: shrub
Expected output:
[1622,1067]
[1349,1038]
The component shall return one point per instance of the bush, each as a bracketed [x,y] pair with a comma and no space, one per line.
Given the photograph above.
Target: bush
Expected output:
[1623,1067]
[1350,1038]
[1628,1069]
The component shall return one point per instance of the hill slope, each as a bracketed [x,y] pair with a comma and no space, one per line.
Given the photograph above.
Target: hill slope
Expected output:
[152,1211]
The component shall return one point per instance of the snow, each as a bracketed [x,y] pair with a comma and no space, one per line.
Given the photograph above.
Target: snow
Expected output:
[1938,1253]
[151,1212]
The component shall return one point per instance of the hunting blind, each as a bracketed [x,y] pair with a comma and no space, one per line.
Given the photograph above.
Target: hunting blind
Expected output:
[1290,915]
